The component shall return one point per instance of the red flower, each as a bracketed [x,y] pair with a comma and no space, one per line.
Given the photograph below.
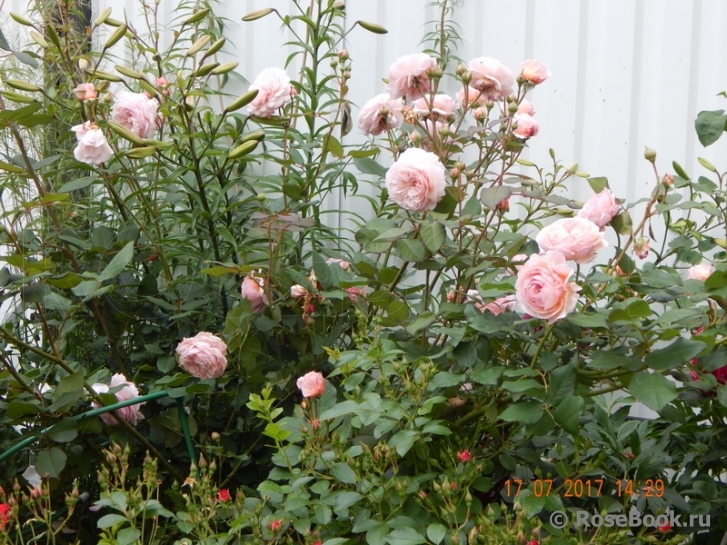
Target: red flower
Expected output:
[317,542]
[223,495]
[664,527]
[721,374]
[4,514]
[276,525]
[464,456]
[532,542]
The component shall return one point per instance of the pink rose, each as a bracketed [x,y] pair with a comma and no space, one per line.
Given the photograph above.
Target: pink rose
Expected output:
[700,272]
[416,180]
[575,238]
[380,113]
[311,384]
[85,91]
[542,287]
[641,247]
[341,263]
[525,107]
[203,356]
[600,209]
[297,291]
[135,111]
[450,296]
[408,76]
[92,147]
[473,97]
[274,92]
[525,126]
[162,82]
[493,78]
[501,304]
[252,290]
[534,72]
[441,106]
[132,413]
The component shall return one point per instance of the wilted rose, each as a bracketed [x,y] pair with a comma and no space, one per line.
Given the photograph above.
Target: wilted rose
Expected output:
[92,147]
[203,356]
[380,113]
[416,181]
[252,290]
[543,289]
[297,290]
[577,239]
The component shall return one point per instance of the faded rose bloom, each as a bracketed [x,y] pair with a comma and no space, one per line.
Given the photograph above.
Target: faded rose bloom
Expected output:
[600,209]
[440,106]
[641,247]
[534,72]
[297,291]
[274,92]
[380,114]
[416,181]
[341,263]
[576,239]
[491,77]
[542,287]
[355,291]
[700,272]
[132,413]
[224,495]
[464,456]
[311,384]
[252,290]
[469,96]
[525,126]
[526,107]
[92,147]
[203,356]
[85,91]
[135,111]
[408,76]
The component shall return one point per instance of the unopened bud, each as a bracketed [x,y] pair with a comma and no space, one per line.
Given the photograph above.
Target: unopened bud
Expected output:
[215,436]
[82,63]
[260,196]
[343,55]
[435,73]
[512,108]
[650,154]
[667,180]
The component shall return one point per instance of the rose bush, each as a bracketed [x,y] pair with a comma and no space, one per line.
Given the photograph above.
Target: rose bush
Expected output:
[176,291]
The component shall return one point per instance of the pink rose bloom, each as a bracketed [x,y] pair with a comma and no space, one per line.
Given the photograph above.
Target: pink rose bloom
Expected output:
[473,97]
[525,125]
[450,296]
[534,72]
[600,209]
[700,272]
[274,92]
[542,287]
[135,111]
[132,413]
[576,239]
[475,297]
[311,384]
[341,263]
[297,291]
[252,290]
[416,180]
[501,304]
[380,113]
[442,105]
[203,356]
[408,76]
[162,82]
[85,91]
[491,77]
[92,147]
[525,107]
[641,247]
[355,291]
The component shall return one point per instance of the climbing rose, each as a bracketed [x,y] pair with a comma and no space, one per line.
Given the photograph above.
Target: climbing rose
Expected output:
[92,147]
[380,114]
[578,239]
[600,209]
[203,356]
[534,72]
[416,181]
[252,290]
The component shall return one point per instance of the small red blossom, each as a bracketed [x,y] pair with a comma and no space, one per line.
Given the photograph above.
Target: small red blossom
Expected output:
[276,525]
[664,527]
[4,515]
[310,309]
[464,456]
[223,495]
[532,542]
[317,542]
[693,361]
[721,374]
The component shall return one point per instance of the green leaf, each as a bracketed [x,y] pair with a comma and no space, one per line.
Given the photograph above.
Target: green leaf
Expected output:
[652,389]
[377,535]
[568,413]
[343,473]
[436,533]
[343,500]
[622,223]
[410,249]
[118,263]
[368,166]
[323,273]
[433,235]
[405,536]
[4,42]
[710,125]
[65,431]
[562,384]
[528,412]
[604,359]
[722,395]
[127,536]
[676,354]
[425,319]
[587,320]
[51,462]
[339,409]
[492,196]
[107,521]
[488,377]
[403,440]
[443,379]
[331,143]
[598,184]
